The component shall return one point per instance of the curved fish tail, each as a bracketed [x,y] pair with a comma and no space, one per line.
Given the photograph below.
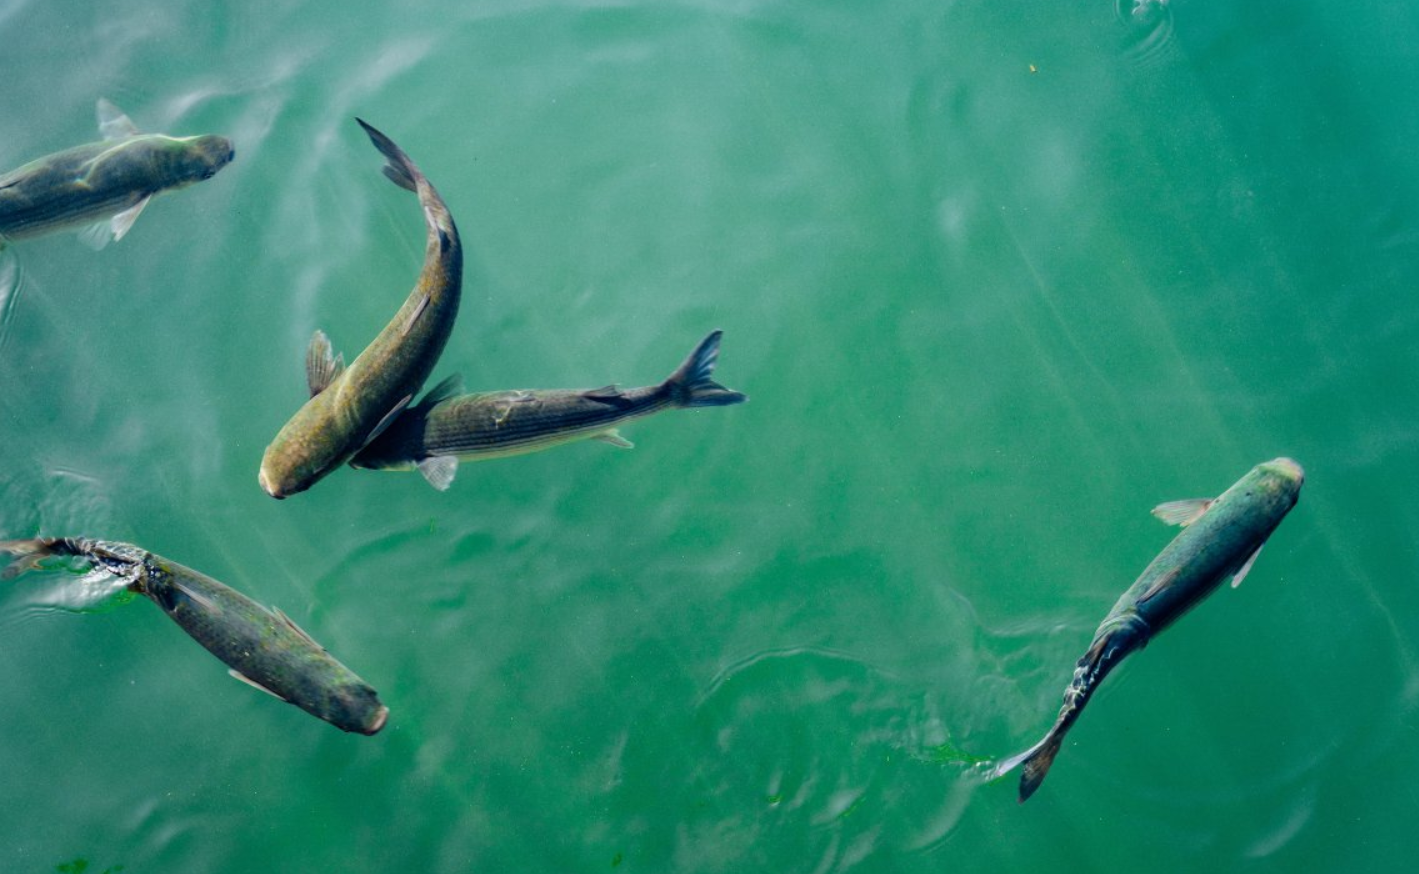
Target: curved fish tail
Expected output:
[400,169]
[691,386]
[1036,760]
[20,556]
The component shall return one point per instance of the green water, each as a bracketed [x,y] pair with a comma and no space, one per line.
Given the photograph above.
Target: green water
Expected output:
[997,278]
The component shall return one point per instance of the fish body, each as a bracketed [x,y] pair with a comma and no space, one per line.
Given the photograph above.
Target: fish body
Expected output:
[350,405]
[262,647]
[108,182]
[1221,538]
[442,431]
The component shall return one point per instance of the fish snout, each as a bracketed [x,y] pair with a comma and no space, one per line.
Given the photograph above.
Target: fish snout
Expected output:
[1288,470]
[267,487]
[216,152]
[381,716]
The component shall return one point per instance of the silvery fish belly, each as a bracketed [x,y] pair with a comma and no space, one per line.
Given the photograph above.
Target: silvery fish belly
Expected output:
[350,406]
[444,429]
[261,647]
[103,187]
[1221,539]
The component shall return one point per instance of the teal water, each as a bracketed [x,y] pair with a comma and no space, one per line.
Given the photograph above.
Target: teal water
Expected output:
[997,281]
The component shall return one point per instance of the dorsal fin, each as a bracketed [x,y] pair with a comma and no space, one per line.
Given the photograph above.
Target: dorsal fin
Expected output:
[1182,513]
[290,623]
[321,366]
[447,388]
[113,124]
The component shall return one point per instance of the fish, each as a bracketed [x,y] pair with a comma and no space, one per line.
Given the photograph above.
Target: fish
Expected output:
[446,428]
[262,648]
[350,406]
[1221,538]
[104,186]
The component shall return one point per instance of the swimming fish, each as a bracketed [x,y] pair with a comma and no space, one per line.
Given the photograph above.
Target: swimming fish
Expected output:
[263,648]
[1221,538]
[350,406]
[104,185]
[441,430]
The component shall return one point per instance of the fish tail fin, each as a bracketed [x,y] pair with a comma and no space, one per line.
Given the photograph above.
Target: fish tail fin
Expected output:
[20,556]
[1036,761]
[399,168]
[691,386]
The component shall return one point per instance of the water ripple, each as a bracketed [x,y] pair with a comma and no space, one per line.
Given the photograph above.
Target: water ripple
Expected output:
[1149,40]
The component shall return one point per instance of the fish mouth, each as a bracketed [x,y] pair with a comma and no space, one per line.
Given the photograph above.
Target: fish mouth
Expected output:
[381,716]
[267,487]
[1288,469]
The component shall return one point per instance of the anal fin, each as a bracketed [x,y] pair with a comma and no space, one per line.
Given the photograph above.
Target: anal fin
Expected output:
[615,439]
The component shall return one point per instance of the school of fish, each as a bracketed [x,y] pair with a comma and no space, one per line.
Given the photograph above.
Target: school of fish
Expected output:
[365,414]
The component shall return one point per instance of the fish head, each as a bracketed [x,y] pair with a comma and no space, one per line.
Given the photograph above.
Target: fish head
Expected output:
[356,707]
[280,481]
[1278,481]
[1286,473]
[186,160]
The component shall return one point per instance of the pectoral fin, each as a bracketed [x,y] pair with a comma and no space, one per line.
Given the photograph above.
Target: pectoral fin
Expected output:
[1245,568]
[194,595]
[388,419]
[238,675]
[615,439]
[113,124]
[439,470]
[1159,585]
[321,365]
[419,309]
[124,220]
[1182,513]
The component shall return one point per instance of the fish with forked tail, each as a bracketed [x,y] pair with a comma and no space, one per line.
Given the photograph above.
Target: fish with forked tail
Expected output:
[443,430]
[1221,538]
[263,648]
[350,406]
[104,186]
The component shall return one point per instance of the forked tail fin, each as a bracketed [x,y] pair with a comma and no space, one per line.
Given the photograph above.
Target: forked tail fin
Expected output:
[1107,650]
[399,169]
[691,386]
[20,556]
[1036,761]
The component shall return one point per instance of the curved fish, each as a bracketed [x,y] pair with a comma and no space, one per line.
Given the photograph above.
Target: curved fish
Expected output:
[263,648]
[1221,538]
[442,430]
[349,406]
[104,185]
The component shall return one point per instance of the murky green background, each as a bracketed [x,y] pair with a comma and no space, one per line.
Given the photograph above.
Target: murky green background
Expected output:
[998,278]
